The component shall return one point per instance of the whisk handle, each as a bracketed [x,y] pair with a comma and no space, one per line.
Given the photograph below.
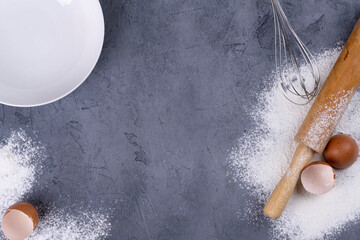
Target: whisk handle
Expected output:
[283,190]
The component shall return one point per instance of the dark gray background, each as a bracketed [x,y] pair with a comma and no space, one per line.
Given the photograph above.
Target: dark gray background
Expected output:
[149,132]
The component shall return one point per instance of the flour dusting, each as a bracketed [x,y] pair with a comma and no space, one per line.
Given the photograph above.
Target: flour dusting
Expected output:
[264,153]
[328,115]
[63,226]
[21,161]
[17,168]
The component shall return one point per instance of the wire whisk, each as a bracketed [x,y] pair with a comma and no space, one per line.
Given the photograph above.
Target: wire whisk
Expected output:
[294,63]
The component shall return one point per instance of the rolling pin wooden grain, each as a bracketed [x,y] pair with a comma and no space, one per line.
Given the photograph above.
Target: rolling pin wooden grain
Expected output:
[321,120]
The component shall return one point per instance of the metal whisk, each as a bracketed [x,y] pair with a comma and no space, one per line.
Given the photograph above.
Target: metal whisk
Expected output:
[294,63]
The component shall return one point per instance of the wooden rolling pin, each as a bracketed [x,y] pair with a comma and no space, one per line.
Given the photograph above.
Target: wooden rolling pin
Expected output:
[321,120]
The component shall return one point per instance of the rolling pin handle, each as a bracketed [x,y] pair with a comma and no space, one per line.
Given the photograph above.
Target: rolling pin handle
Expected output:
[283,190]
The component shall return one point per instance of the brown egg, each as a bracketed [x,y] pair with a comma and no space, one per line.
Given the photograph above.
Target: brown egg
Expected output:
[19,221]
[341,151]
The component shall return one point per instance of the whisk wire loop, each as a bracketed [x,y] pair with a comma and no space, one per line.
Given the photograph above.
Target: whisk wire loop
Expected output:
[299,74]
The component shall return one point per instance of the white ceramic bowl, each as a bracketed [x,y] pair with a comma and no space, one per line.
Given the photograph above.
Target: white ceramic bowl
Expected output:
[47,48]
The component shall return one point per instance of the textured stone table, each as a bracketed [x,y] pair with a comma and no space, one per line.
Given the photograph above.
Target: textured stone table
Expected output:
[148,134]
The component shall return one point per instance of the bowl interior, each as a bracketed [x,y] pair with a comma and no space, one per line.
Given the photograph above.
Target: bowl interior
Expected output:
[49,47]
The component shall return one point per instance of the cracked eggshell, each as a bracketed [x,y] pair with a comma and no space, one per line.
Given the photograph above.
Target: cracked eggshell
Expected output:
[318,177]
[19,221]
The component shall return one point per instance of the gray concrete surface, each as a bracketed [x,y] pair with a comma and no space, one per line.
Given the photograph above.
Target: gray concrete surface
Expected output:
[148,133]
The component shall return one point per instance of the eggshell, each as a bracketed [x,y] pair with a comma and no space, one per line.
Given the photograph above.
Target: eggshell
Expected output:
[341,151]
[19,221]
[318,177]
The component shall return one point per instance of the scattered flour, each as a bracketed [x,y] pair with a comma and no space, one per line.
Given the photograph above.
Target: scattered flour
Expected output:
[17,168]
[63,226]
[20,162]
[264,153]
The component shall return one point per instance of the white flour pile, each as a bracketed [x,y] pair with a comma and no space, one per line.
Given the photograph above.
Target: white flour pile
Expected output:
[20,162]
[265,151]
[17,168]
